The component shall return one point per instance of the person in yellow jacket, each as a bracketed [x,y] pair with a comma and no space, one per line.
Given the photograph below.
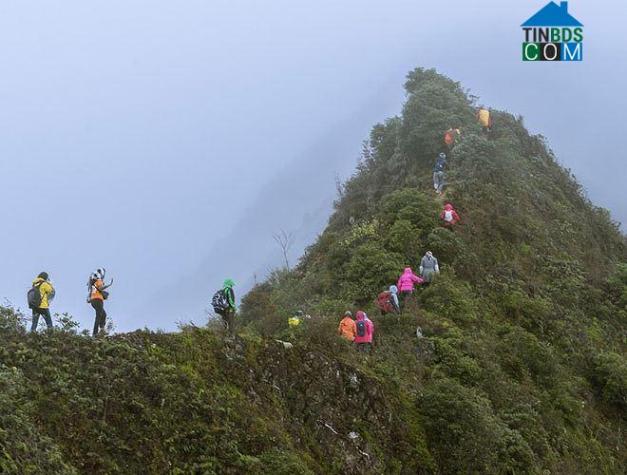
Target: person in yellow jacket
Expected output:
[44,293]
[485,119]
[295,320]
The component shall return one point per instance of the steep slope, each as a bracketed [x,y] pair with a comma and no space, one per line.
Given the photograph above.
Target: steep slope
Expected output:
[523,322]
[191,403]
[521,367]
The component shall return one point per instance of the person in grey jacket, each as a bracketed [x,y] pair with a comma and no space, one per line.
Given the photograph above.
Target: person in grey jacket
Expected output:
[429,267]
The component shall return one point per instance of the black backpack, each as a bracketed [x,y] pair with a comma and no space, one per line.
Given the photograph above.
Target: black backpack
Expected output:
[219,300]
[361,328]
[33,296]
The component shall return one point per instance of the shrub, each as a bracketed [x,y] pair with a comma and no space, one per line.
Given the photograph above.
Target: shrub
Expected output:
[461,428]
[370,270]
[610,378]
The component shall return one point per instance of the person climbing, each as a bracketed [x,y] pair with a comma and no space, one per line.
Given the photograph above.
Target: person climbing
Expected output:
[347,328]
[429,267]
[96,297]
[438,173]
[450,136]
[485,119]
[394,299]
[387,301]
[39,297]
[406,283]
[295,320]
[364,331]
[223,303]
[449,215]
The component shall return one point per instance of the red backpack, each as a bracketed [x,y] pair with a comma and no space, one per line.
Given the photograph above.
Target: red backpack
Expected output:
[384,302]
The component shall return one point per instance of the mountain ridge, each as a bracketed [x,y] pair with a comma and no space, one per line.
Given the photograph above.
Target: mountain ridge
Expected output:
[519,365]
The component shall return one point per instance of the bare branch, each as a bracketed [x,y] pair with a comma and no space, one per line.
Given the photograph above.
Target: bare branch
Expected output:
[285,240]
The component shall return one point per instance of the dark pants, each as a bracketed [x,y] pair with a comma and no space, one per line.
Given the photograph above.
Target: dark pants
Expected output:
[44,312]
[101,315]
[438,181]
[364,347]
[227,317]
[405,296]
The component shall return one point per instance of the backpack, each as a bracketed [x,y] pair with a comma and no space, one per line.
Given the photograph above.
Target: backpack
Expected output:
[448,216]
[361,328]
[219,300]
[103,292]
[449,138]
[33,296]
[384,302]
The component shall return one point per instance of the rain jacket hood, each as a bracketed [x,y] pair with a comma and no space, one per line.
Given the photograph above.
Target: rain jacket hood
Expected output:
[449,215]
[347,328]
[367,337]
[407,280]
[428,265]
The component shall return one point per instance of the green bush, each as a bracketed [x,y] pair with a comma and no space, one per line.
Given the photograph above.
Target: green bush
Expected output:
[610,378]
[25,450]
[465,434]
[370,270]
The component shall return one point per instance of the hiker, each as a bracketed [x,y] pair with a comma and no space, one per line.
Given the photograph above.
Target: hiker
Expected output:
[485,119]
[39,297]
[450,136]
[347,328]
[406,283]
[387,301]
[223,303]
[394,298]
[96,297]
[295,320]
[364,331]
[438,173]
[429,267]
[449,215]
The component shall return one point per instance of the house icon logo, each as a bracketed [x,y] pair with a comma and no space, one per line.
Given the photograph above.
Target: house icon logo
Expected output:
[553,34]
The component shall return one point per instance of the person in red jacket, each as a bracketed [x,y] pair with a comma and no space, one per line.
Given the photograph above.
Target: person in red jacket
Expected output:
[449,215]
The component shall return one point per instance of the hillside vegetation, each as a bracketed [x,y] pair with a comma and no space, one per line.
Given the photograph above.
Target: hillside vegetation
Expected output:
[521,367]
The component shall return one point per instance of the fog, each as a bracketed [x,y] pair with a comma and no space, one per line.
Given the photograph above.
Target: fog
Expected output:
[168,141]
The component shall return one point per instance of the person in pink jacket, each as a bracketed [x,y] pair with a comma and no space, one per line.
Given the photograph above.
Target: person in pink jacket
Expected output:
[406,283]
[364,333]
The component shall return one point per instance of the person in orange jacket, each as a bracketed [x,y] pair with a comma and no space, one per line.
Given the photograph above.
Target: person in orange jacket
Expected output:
[96,297]
[450,136]
[347,328]
[449,215]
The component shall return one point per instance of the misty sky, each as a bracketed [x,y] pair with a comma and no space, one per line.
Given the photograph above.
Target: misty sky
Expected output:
[167,140]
